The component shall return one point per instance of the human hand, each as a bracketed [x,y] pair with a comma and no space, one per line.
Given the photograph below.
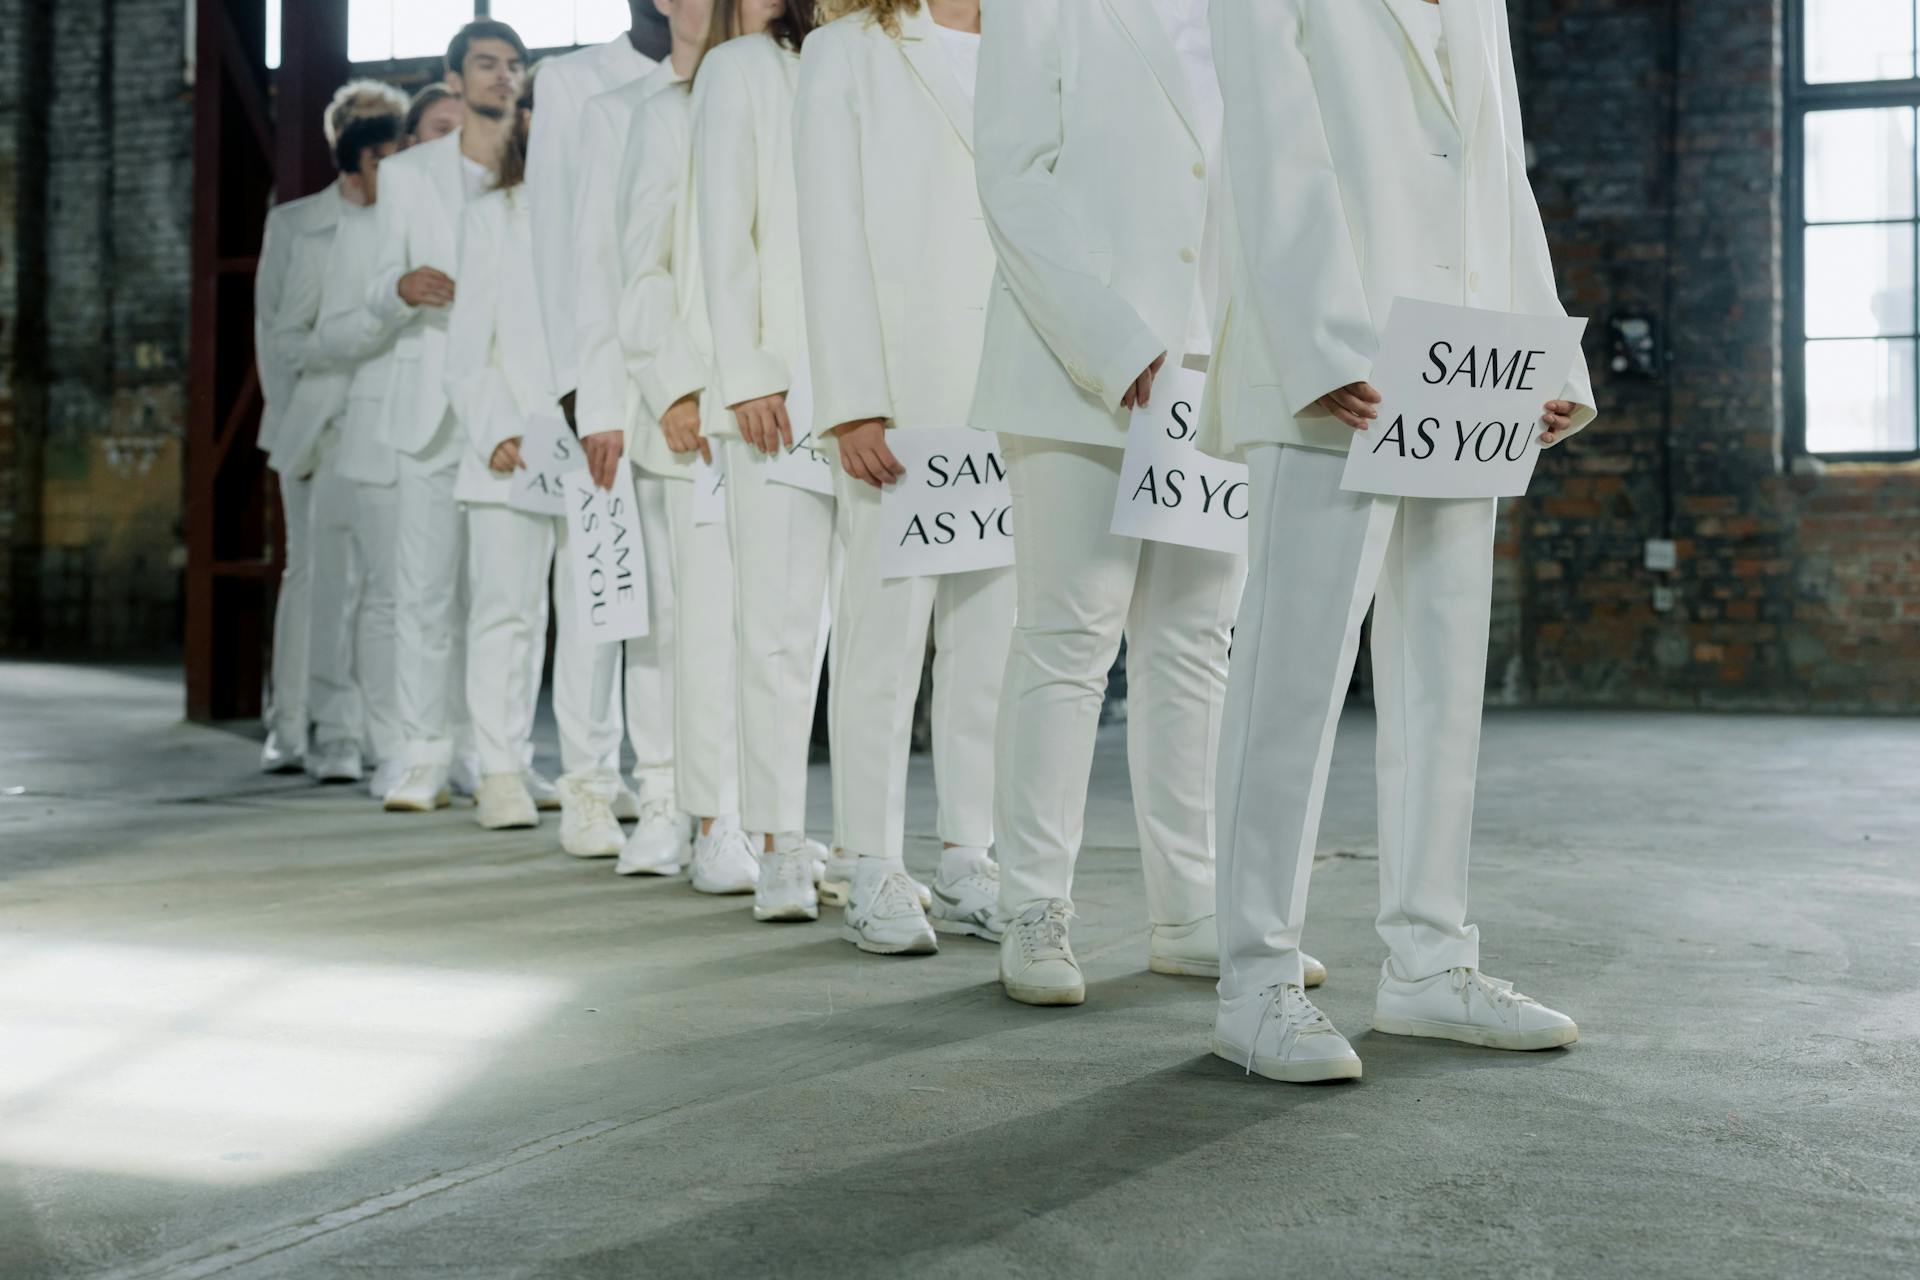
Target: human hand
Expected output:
[426,287]
[506,457]
[1557,419]
[1352,404]
[603,449]
[1137,394]
[681,427]
[764,423]
[864,454]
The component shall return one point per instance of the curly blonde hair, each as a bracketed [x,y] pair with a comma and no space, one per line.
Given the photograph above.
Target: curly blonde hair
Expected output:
[886,13]
[357,99]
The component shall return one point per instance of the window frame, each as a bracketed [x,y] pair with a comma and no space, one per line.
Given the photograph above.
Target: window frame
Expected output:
[1800,100]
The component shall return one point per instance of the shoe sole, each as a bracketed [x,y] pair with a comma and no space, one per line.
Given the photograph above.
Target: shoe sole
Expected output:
[1183,968]
[1045,997]
[650,870]
[511,824]
[964,929]
[786,915]
[338,779]
[441,801]
[1322,1072]
[728,891]
[917,947]
[1514,1041]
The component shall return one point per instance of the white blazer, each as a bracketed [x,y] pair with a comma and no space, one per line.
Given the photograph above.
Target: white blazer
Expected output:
[897,260]
[1094,181]
[1357,178]
[664,335]
[286,301]
[605,399]
[497,370]
[557,165]
[422,194]
[360,350]
[749,230]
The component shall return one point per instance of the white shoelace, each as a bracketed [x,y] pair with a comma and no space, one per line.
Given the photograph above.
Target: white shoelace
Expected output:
[793,872]
[1298,1017]
[659,811]
[897,897]
[1043,930]
[1498,994]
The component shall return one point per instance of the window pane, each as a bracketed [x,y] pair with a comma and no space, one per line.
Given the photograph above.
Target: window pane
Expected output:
[1859,281]
[369,30]
[542,24]
[1859,40]
[424,27]
[273,33]
[1859,165]
[1860,396]
[601,20]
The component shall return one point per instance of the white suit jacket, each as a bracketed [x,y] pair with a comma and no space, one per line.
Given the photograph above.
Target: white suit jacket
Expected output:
[357,350]
[1094,182]
[605,398]
[422,194]
[557,164]
[897,260]
[497,372]
[1355,179]
[286,302]
[749,232]
[664,336]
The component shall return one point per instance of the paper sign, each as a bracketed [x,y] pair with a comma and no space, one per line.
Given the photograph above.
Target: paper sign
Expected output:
[952,511]
[608,559]
[1170,491]
[550,450]
[800,466]
[1461,394]
[710,488]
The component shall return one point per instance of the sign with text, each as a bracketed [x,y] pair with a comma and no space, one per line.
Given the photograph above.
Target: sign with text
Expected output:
[952,511]
[799,465]
[550,450]
[1169,490]
[1461,392]
[710,487]
[608,558]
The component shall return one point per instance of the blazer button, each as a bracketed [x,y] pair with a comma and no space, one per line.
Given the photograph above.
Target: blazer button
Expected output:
[1186,255]
[1199,169]
[1473,281]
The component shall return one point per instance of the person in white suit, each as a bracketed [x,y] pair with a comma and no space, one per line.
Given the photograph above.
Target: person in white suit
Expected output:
[579,133]
[1374,151]
[781,536]
[898,268]
[426,189]
[1096,141]
[287,289]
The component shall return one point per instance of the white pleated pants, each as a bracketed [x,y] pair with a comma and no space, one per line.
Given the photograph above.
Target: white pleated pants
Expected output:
[1320,556]
[706,748]
[290,674]
[353,594]
[509,558]
[1080,589]
[782,539]
[879,649]
[430,602]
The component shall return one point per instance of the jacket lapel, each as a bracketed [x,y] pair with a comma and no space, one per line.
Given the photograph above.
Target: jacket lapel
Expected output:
[451,184]
[1413,38]
[1149,32]
[1467,58]
[920,43]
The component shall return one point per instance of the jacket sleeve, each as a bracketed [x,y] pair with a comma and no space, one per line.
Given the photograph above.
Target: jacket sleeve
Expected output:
[552,184]
[600,374]
[726,147]
[844,339]
[269,290]
[662,357]
[393,256]
[1534,291]
[1042,244]
[1300,272]
[349,332]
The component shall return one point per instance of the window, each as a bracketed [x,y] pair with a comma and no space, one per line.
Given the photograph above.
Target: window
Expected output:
[389,30]
[1853,227]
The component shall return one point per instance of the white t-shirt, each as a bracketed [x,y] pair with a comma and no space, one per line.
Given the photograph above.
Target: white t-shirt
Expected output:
[1423,21]
[963,53]
[1186,22]
[476,178]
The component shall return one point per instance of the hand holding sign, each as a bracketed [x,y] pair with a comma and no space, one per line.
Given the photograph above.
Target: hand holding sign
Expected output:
[608,559]
[795,463]
[1461,392]
[951,511]
[1170,491]
[548,451]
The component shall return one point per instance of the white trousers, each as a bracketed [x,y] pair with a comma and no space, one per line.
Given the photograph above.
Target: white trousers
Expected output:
[430,609]
[706,749]
[288,677]
[879,649]
[782,540]
[353,659]
[1320,555]
[509,557]
[643,668]
[1080,589]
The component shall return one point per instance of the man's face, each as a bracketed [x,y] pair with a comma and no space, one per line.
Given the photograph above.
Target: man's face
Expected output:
[370,168]
[490,80]
[687,19]
[439,120]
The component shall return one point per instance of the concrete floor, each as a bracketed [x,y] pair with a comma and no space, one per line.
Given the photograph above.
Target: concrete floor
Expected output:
[250,1028]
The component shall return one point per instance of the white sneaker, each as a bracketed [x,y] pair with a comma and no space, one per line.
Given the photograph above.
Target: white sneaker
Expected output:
[277,756]
[1468,1006]
[836,878]
[336,762]
[422,789]
[464,777]
[1279,1034]
[883,913]
[969,902]
[1036,962]
[587,825]
[1193,951]
[662,843]
[546,796]
[626,805]
[725,860]
[504,805]
[785,888]
[387,777]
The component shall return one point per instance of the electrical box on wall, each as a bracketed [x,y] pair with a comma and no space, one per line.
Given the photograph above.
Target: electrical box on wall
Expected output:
[1635,347]
[1662,555]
